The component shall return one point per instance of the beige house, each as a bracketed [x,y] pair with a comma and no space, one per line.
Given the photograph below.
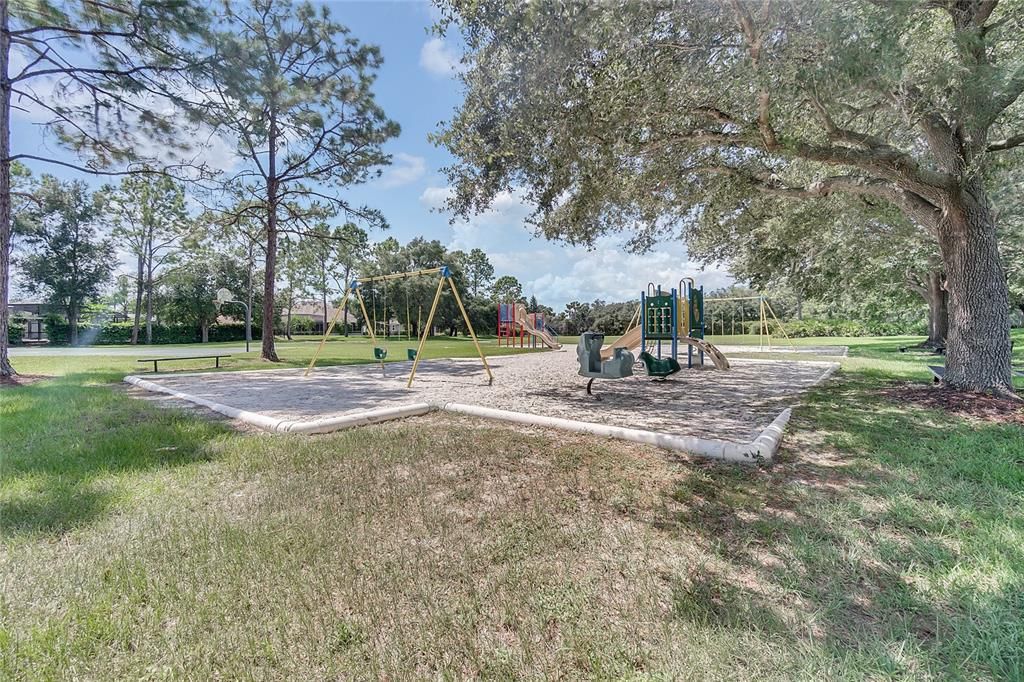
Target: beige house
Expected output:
[308,311]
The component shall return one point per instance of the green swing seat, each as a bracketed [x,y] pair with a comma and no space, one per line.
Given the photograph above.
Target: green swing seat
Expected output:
[380,353]
[659,367]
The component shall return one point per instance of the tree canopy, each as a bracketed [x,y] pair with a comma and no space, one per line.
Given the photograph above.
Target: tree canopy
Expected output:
[661,119]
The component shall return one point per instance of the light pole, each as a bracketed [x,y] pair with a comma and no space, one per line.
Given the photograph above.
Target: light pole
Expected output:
[225,296]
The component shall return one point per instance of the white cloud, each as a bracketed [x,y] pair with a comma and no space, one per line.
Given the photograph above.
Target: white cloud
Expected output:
[557,273]
[434,198]
[405,170]
[439,58]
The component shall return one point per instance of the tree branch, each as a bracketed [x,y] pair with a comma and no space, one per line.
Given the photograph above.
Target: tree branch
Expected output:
[1006,143]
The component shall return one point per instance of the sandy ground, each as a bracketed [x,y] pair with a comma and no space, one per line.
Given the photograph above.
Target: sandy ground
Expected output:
[733,405]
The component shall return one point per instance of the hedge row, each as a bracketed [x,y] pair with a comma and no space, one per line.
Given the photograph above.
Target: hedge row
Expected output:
[15,332]
[112,333]
[806,328]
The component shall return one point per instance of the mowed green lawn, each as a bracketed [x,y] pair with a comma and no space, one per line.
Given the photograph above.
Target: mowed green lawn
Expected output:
[146,542]
[338,351]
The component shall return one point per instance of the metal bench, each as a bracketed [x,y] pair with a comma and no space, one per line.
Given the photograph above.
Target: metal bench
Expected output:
[215,358]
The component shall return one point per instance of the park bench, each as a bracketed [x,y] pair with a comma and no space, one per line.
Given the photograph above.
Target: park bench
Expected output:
[215,358]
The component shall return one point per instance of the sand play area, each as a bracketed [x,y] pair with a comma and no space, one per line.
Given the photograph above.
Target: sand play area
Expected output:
[734,405]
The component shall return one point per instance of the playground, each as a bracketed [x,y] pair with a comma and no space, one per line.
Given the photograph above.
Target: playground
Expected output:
[735,413]
[733,406]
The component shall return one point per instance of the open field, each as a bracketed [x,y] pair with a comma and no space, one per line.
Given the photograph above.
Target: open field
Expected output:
[337,351]
[142,542]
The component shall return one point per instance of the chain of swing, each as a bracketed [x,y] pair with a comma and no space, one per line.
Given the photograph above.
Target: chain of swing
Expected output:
[387,320]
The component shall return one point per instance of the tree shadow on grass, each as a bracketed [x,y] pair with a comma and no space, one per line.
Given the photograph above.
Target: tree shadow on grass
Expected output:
[878,540]
[71,448]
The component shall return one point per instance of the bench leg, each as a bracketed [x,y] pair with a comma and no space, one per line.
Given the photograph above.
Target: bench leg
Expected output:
[154,367]
[216,362]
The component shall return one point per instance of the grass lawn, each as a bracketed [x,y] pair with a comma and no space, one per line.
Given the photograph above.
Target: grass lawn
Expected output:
[337,351]
[144,542]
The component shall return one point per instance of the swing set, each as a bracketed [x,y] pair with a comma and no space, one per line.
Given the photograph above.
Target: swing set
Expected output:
[379,352]
[765,316]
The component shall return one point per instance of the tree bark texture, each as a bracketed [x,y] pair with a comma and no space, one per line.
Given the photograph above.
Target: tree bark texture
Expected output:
[267,349]
[938,309]
[139,278]
[6,369]
[978,342]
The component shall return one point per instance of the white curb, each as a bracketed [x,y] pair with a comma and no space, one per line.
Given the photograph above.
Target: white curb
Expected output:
[361,418]
[347,421]
[761,449]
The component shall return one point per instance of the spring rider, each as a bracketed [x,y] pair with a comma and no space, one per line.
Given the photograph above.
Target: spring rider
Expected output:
[588,352]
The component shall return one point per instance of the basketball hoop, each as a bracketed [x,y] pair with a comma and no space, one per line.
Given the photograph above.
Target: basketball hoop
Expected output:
[224,296]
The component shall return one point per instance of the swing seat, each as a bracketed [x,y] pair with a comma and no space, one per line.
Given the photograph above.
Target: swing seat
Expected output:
[410,353]
[659,367]
[380,353]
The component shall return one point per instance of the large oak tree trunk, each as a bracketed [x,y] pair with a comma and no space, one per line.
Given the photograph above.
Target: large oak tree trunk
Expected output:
[978,343]
[6,369]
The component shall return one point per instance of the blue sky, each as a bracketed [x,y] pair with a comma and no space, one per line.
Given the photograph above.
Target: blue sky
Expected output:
[417,88]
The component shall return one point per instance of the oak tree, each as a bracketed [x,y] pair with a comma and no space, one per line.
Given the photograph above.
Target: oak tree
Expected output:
[658,118]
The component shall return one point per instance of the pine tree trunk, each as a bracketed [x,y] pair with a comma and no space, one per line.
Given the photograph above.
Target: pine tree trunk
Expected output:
[6,369]
[344,313]
[938,310]
[149,303]
[978,343]
[267,349]
[138,302]
[73,325]
[204,331]
[249,294]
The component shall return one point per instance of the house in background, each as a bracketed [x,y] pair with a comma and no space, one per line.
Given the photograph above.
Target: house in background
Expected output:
[31,314]
[308,318]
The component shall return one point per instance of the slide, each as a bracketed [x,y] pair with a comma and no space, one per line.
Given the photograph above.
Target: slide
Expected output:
[523,318]
[629,341]
[717,357]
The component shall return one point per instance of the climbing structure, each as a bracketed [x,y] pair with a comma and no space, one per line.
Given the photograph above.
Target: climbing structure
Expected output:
[516,327]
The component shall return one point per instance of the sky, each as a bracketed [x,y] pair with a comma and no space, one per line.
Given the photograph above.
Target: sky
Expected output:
[416,87]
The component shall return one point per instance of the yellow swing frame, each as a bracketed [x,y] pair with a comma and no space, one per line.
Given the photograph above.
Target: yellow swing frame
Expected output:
[445,276]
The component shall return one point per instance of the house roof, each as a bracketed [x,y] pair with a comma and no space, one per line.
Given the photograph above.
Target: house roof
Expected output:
[315,311]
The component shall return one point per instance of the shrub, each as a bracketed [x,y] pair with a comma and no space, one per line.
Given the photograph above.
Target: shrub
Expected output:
[114,333]
[806,328]
[832,327]
[15,331]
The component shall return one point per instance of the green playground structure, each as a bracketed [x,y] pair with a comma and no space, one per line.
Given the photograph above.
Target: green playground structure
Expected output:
[665,318]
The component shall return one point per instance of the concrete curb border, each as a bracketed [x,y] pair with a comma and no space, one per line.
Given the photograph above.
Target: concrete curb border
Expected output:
[346,421]
[761,449]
